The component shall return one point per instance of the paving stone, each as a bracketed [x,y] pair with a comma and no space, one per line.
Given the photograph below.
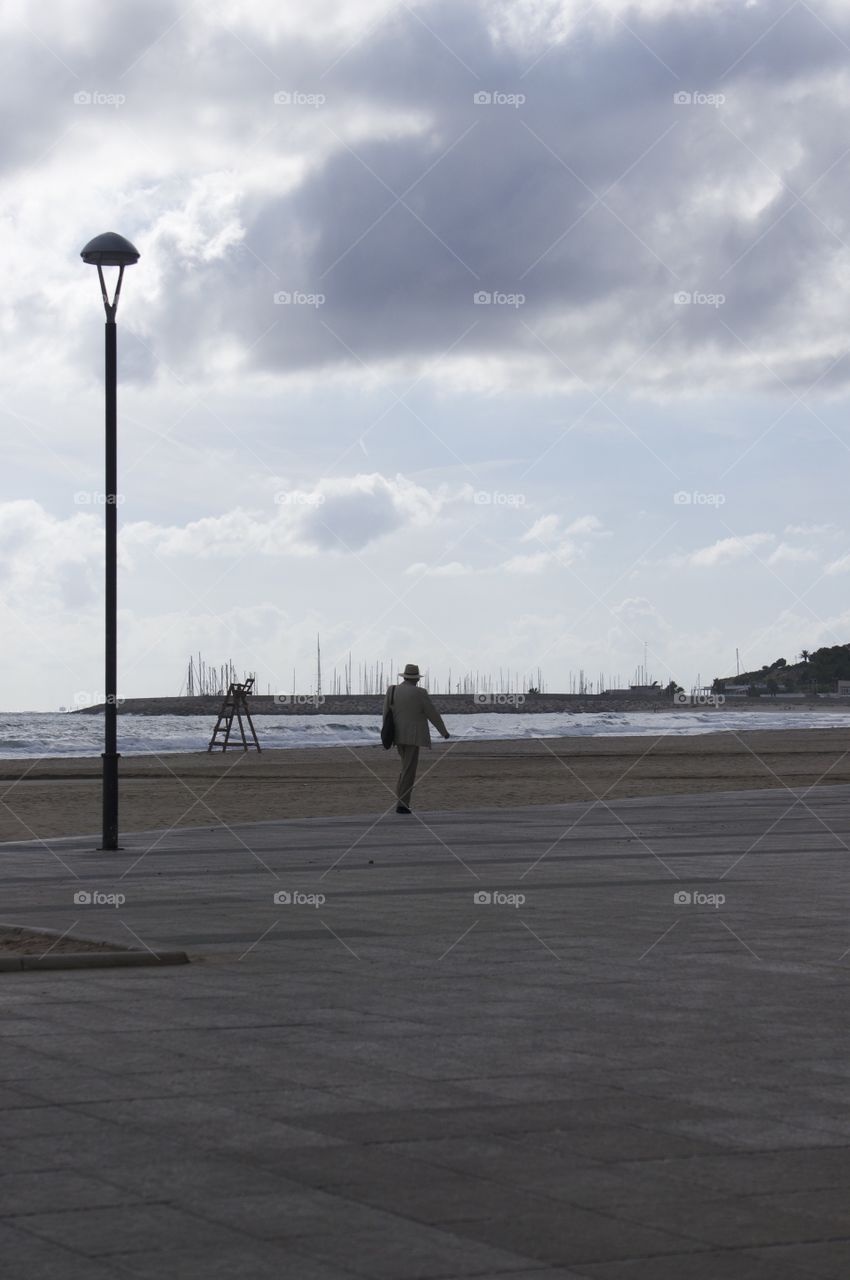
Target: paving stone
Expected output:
[101,1232]
[829,1259]
[726,1265]
[25,1193]
[573,1236]
[27,1256]
[409,1252]
[250,1262]
[748,1173]
[452,1099]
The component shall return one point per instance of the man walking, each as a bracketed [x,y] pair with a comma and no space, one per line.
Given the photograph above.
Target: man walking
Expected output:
[412,708]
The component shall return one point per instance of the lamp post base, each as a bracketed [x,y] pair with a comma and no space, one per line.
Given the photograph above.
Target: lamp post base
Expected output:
[110,801]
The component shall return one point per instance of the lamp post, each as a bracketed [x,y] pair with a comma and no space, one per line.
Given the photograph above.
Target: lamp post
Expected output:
[111,250]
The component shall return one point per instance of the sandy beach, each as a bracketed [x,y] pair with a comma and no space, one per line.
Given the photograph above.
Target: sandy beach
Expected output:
[59,797]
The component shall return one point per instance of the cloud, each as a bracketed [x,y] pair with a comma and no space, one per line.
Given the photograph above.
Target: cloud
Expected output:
[534,563]
[563,544]
[48,563]
[724,551]
[791,555]
[842,565]
[338,515]
[812,529]
[544,529]
[454,569]
[397,197]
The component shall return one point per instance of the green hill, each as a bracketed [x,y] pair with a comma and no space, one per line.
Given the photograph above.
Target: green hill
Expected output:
[815,673]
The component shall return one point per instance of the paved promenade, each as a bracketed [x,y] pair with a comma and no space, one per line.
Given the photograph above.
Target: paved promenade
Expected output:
[489,1043]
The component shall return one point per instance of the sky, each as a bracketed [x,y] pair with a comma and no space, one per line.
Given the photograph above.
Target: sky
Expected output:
[482,335]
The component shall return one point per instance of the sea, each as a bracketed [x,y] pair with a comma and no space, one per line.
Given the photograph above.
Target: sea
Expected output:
[36,734]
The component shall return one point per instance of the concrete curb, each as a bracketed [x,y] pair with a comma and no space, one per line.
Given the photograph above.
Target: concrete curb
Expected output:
[91,960]
[120,958]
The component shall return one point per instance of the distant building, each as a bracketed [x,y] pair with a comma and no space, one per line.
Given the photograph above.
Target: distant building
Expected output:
[843,688]
[737,690]
[646,689]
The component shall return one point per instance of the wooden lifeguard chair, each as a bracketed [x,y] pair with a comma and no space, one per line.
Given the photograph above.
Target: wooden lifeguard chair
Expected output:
[235,707]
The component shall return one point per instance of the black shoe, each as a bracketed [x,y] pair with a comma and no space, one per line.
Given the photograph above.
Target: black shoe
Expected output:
[402,808]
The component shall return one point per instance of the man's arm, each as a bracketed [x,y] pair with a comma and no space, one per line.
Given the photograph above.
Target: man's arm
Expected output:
[433,714]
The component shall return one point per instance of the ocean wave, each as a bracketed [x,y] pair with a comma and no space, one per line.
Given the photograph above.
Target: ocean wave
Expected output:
[34,734]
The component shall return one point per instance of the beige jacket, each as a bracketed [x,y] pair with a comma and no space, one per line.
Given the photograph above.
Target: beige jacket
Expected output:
[412,709]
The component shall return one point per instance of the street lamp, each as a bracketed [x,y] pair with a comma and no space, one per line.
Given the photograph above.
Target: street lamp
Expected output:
[111,250]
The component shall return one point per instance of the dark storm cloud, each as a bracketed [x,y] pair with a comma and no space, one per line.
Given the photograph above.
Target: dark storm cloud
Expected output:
[349,521]
[505,199]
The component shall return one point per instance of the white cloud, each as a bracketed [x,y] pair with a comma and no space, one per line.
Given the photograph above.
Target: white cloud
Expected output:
[587,524]
[544,529]
[530,564]
[842,565]
[725,550]
[338,515]
[812,529]
[789,554]
[454,569]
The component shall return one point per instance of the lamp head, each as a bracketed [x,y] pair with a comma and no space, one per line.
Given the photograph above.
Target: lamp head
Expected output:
[110,250]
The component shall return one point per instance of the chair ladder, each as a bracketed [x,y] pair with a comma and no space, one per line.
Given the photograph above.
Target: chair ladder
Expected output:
[234,707]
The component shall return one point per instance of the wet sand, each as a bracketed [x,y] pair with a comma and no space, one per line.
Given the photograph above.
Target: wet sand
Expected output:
[55,797]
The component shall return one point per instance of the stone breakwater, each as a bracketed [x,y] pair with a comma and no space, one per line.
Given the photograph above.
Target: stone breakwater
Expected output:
[453,704]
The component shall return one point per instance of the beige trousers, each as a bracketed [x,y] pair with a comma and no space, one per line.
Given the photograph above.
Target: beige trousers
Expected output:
[409,761]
